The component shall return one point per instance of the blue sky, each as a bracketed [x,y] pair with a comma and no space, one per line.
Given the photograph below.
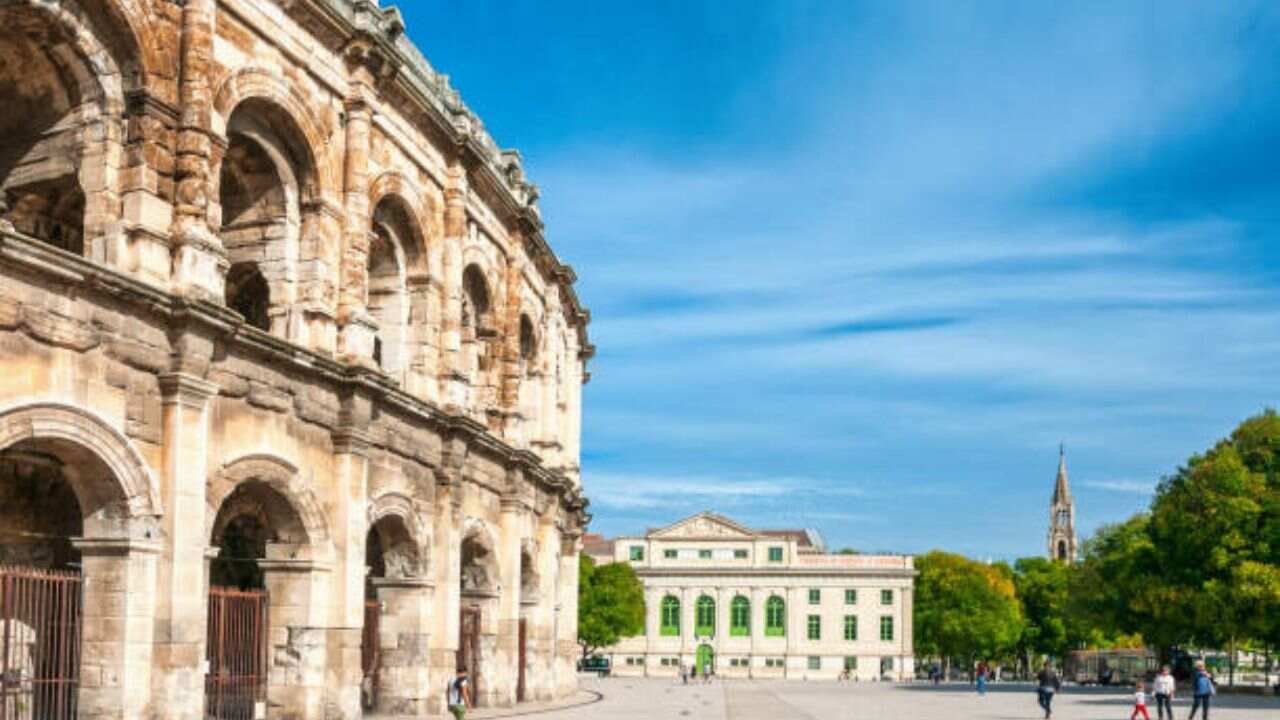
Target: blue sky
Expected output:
[861,266]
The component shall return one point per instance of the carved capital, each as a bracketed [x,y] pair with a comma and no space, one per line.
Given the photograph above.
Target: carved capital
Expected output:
[179,388]
[352,441]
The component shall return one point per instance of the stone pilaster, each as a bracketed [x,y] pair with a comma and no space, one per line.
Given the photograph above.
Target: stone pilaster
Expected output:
[199,261]
[299,590]
[356,328]
[145,186]
[349,515]
[453,373]
[404,679]
[566,625]
[181,609]
[506,664]
[446,567]
[116,646]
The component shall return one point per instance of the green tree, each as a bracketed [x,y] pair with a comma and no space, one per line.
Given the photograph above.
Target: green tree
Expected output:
[610,604]
[1042,586]
[964,609]
[1116,592]
[1216,524]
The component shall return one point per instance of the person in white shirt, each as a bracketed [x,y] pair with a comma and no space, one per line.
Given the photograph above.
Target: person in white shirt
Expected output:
[1164,689]
[458,696]
[1139,703]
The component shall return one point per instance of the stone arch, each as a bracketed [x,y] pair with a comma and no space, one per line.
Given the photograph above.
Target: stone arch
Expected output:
[399,526]
[64,70]
[479,558]
[295,507]
[398,191]
[131,491]
[254,83]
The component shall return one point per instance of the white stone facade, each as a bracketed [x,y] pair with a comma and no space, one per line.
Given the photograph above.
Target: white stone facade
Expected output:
[710,556]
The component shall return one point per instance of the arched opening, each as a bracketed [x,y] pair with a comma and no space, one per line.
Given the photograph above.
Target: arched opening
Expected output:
[50,490]
[1062,549]
[387,290]
[704,623]
[256,530]
[740,617]
[51,97]
[475,302]
[669,622]
[477,633]
[260,186]
[775,617]
[249,294]
[528,343]
[391,557]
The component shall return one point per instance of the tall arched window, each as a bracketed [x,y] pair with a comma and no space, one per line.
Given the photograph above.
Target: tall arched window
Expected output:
[704,624]
[740,617]
[670,624]
[775,617]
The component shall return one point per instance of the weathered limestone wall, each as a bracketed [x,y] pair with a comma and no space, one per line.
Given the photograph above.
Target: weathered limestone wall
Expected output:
[289,142]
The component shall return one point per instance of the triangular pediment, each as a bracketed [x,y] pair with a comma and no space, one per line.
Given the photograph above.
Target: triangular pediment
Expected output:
[703,525]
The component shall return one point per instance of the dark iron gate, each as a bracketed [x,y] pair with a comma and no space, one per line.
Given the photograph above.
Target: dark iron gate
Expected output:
[524,660]
[469,647]
[40,613]
[370,655]
[237,679]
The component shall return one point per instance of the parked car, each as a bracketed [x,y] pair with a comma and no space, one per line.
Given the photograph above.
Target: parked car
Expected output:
[594,664]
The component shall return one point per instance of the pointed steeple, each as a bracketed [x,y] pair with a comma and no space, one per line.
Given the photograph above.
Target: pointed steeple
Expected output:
[1062,489]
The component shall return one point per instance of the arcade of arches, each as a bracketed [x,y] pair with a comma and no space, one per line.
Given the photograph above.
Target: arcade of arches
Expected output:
[290,401]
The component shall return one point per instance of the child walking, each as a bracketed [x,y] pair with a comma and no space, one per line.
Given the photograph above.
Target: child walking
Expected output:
[1139,703]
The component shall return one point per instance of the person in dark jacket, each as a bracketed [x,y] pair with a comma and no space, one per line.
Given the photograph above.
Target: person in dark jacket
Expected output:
[1047,683]
[1201,689]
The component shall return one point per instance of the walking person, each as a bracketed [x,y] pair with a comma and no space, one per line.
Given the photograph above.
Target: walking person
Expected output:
[1164,689]
[458,698]
[1202,689]
[1047,683]
[982,678]
[1139,703]
[684,673]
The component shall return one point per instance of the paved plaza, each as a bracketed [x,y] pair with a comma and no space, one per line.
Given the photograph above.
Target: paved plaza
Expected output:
[636,699]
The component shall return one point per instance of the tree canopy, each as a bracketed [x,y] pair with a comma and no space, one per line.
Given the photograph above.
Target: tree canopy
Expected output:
[965,609]
[610,604]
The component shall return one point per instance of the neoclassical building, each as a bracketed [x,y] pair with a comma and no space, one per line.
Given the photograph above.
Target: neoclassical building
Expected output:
[765,604]
[289,376]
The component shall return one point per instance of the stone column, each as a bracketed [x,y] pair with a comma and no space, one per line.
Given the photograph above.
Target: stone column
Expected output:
[350,530]
[199,261]
[299,593]
[506,663]
[356,328]
[446,567]
[404,642]
[453,375]
[907,634]
[181,599]
[567,649]
[118,622]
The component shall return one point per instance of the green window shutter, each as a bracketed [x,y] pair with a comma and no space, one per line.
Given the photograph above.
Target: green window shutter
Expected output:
[670,625]
[669,554]
[851,663]
[637,553]
[815,627]
[850,627]
[815,662]
[886,597]
[704,554]
[886,628]
[704,617]
[815,597]
[775,617]
[740,554]
[850,597]
[775,554]
[740,617]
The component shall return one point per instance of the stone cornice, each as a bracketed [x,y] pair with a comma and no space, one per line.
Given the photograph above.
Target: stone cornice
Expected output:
[34,257]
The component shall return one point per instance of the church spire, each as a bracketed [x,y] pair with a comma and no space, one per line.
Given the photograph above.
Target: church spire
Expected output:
[1062,488]
[1063,541]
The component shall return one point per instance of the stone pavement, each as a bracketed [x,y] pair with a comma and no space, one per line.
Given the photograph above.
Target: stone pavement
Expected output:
[640,699]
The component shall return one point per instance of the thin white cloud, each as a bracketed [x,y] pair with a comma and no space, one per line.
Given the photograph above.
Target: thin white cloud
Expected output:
[1130,487]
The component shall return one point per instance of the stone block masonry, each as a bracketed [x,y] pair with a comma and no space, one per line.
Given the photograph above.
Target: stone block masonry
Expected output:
[277,315]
